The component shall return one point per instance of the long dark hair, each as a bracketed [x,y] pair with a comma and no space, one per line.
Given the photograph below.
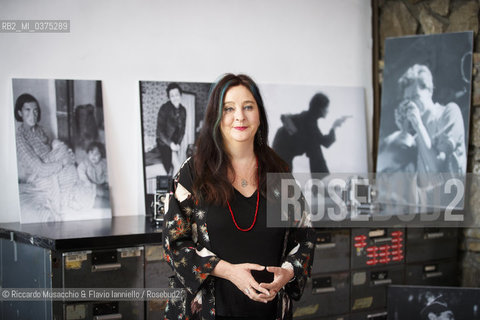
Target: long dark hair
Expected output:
[211,162]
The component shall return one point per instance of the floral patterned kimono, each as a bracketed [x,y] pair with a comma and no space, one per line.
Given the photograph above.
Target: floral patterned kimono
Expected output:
[188,250]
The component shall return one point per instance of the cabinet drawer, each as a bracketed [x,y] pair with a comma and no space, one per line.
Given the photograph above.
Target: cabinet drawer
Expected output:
[324,295]
[112,268]
[369,287]
[107,310]
[332,251]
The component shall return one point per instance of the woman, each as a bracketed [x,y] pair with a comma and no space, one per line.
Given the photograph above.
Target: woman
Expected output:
[33,144]
[238,267]
[46,169]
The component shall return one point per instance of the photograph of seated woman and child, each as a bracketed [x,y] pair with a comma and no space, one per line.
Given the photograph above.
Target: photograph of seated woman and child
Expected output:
[60,145]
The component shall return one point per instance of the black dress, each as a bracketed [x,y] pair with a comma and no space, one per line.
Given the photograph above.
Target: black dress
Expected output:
[260,245]
[190,252]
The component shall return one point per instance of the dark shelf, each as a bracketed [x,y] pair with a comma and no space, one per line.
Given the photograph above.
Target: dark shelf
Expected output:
[87,234]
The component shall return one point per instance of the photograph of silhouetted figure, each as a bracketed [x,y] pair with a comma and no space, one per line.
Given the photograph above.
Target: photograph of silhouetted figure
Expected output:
[300,134]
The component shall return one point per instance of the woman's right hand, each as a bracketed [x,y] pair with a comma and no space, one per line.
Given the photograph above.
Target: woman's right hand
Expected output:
[241,276]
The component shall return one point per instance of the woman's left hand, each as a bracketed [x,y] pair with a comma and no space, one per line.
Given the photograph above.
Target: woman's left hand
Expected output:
[281,276]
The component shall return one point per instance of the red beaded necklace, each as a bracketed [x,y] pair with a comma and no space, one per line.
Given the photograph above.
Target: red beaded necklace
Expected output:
[256,209]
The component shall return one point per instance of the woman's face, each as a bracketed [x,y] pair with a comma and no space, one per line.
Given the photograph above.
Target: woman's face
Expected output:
[241,118]
[418,92]
[29,113]
[175,97]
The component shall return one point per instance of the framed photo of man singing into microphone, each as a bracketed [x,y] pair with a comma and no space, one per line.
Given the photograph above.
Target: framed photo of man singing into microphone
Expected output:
[425,110]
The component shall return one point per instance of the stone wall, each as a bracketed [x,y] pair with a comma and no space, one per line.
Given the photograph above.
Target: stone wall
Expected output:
[409,17]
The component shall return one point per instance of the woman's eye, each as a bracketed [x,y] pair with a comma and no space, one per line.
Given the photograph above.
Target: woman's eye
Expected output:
[228,109]
[248,107]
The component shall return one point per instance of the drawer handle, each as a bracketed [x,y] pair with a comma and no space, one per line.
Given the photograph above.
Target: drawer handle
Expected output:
[382,239]
[377,315]
[433,274]
[114,316]
[434,235]
[380,282]
[106,267]
[323,290]
[325,245]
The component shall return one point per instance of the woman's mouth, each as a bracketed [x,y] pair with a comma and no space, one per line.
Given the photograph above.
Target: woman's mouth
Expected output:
[240,128]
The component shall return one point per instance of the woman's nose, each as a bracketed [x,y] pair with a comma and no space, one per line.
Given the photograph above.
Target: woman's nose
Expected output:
[239,114]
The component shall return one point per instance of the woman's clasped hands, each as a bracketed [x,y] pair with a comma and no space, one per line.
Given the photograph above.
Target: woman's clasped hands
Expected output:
[241,276]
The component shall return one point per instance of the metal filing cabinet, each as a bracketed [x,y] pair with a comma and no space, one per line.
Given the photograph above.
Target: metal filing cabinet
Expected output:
[377,247]
[324,295]
[103,253]
[157,271]
[431,256]
[98,310]
[433,273]
[24,266]
[28,266]
[424,244]
[106,268]
[369,287]
[332,251]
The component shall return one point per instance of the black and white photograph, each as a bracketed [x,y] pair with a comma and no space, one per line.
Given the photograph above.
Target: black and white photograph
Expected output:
[172,113]
[61,150]
[318,129]
[425,111]
[433,303]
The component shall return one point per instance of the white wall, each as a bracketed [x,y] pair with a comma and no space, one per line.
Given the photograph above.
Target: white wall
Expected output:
[320,42]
